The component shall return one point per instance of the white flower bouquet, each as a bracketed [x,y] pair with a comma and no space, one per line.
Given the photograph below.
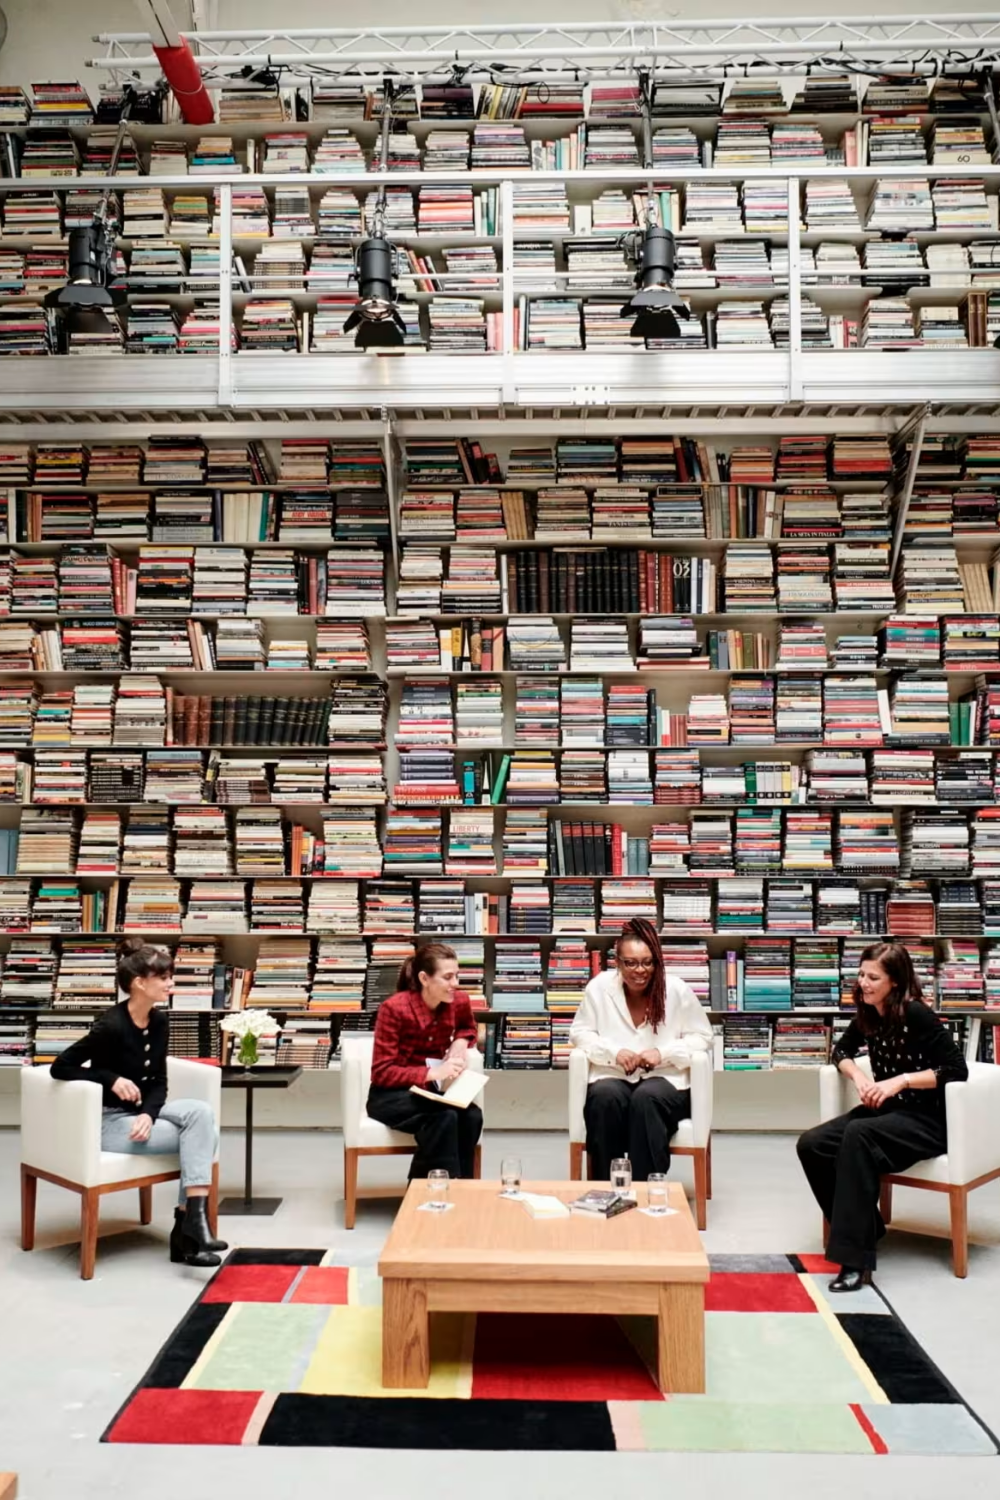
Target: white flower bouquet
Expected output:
[249,1026]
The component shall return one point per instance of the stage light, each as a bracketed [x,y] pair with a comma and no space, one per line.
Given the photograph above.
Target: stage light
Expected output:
[375,315]
[654,306]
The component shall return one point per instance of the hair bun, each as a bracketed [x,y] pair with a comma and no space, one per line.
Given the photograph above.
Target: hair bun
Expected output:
[131,945]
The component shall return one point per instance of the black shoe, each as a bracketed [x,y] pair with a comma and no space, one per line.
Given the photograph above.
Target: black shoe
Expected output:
[850,1280]
[191,1241]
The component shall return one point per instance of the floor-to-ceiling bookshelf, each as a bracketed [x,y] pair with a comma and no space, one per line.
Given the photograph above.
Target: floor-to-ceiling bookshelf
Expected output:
[604,394]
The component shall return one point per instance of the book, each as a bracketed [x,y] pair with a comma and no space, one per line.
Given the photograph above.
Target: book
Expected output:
[460,1093]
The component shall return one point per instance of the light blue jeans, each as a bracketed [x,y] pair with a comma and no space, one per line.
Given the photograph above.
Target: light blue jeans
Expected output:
[184,1127]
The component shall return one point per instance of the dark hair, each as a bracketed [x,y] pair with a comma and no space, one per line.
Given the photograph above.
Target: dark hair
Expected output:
[137,959]
[426,960]
[898,965]
[639,930]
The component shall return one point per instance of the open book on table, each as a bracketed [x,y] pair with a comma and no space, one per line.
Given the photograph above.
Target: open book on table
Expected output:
[461,1092]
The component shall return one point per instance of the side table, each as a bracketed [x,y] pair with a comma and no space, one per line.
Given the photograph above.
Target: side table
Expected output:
[250,1079]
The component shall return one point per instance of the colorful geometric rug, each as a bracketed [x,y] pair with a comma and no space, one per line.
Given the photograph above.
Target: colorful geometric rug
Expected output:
[283,1349]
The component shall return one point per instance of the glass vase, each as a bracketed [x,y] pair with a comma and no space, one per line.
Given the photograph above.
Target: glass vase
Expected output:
[247,1056]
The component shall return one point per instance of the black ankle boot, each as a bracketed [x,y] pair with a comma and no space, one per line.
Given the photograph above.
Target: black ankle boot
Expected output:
[850,1280]
[191,1242]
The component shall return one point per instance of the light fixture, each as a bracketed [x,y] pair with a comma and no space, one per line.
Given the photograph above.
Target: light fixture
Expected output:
[654,306]
[376,315]
[87,299]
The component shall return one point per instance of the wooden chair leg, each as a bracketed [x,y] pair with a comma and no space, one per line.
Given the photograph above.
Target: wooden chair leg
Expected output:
[145,1205]
[212,1207]
[90,1208]
[885,1202]
[959,1201]
[700,1188]
[477,1164]
[826,1233]
[576,1161]
[708,1169]
[29,1198]
[350,1185]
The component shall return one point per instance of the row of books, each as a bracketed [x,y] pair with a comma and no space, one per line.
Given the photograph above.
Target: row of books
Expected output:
[322,98]
[184,459]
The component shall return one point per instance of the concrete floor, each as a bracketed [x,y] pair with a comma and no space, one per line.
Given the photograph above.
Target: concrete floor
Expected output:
[70,1351]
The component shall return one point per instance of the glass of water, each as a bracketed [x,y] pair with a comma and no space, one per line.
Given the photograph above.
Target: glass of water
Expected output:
[437,1189]
[656,1192]
[621,1174]
[510,1175]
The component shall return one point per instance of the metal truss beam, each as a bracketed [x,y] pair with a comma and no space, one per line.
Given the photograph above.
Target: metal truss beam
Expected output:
[586,50]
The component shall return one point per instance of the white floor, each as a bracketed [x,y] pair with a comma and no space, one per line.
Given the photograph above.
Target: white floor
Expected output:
[70,1351]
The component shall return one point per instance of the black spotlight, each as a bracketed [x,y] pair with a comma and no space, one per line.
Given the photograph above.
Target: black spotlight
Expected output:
[375,315]
[90,263]
[655,306]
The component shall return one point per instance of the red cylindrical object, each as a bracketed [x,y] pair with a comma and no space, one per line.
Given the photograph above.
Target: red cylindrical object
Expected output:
[181,70]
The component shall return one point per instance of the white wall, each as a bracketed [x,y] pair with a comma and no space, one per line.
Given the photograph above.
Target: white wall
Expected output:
[52,38]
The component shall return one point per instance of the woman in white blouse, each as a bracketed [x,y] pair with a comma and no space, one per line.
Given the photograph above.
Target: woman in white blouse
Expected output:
[639,1027]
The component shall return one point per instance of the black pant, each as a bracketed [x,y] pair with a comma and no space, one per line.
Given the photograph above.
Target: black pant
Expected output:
[446,1137]
[844,1159]
[635,1120]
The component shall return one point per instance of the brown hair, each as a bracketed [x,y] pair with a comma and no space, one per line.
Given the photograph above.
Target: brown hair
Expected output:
[898,965]
[639,930]
[137,959]
[426,960]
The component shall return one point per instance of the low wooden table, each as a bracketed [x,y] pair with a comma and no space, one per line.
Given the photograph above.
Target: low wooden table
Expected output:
[488,1254]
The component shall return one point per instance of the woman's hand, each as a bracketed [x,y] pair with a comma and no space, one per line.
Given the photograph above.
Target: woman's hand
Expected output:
[126,1090]
[447,1071]
[879,1093]
[650,1058]
[628,1061]
[141,1126]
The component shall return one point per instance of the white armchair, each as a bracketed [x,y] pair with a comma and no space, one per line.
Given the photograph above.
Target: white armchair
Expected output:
[364,1136]
[973,1155]
[61,1143]
[693,1137]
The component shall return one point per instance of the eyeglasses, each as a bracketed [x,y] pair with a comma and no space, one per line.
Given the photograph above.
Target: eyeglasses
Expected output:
[636,963]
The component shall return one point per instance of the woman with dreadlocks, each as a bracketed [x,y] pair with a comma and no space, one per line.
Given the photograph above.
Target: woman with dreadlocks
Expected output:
[639,1028]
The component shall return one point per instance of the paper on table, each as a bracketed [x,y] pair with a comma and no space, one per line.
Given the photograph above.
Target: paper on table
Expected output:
[461,1092]
[658,1213]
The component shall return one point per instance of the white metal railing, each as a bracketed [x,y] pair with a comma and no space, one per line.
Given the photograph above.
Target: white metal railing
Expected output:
[789,359]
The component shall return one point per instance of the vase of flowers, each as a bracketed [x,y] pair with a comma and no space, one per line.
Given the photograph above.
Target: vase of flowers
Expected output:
[247,1027]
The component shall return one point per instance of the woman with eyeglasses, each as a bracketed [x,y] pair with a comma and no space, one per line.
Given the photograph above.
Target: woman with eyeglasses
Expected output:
[639,1027]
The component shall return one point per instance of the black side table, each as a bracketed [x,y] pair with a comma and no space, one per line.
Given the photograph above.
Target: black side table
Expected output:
[256,1078]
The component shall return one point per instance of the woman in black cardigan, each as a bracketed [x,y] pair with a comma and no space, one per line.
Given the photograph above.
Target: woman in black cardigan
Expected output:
[125,1054]
[900,1118]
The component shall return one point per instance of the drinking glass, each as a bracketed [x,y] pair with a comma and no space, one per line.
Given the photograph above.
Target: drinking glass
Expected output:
[510,1175]
[437,1189]
[656,1192]
[621,1174]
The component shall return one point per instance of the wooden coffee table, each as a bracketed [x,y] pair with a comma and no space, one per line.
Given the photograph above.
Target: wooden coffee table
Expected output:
[488,1254]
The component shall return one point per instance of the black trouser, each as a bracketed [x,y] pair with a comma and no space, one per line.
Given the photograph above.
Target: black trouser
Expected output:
[446,1137]
[844,1159]
[635,1120]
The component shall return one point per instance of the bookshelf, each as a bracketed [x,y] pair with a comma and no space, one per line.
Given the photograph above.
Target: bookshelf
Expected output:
[702,528]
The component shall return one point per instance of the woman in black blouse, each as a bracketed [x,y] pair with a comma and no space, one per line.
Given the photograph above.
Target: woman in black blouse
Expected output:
[125,1054]
[901,1117]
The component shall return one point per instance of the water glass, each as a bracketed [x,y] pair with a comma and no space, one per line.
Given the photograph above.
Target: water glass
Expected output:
[437,1189]
[656,1193]
[621,1174]
[510,1174]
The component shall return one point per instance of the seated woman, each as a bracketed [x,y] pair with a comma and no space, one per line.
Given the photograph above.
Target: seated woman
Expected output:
[639,1027]
[900,1118]
[126,1054]
[422,1034]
